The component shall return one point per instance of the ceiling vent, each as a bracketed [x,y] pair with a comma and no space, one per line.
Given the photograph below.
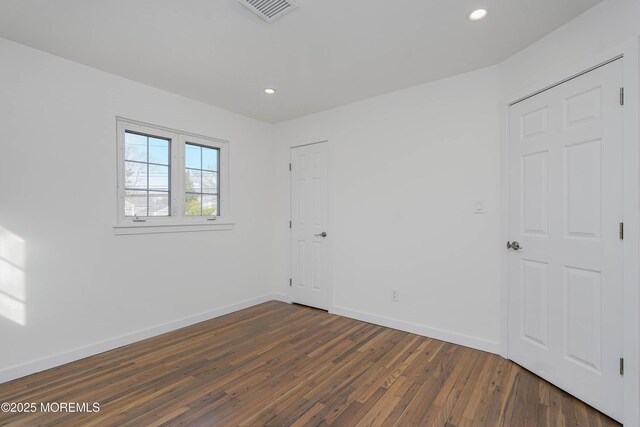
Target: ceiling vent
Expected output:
[270,10]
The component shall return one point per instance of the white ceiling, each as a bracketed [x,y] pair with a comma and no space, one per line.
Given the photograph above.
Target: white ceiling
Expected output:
[324,54]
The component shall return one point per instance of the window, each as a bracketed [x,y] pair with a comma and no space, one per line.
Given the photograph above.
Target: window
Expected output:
[170,180]
[201,180]
[146,175]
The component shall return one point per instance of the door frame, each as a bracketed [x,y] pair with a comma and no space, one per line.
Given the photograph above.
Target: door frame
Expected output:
[329,241]
[631,206]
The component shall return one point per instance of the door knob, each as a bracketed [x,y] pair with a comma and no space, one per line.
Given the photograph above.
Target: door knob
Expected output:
[514,245]
[323,234]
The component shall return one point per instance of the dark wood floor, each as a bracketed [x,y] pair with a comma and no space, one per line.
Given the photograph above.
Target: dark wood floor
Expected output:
[278,364]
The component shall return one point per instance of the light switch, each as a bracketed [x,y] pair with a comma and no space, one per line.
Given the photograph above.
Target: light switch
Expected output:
[478,206]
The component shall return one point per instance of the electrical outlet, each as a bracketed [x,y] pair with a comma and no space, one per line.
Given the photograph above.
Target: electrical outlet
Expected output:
[395,295]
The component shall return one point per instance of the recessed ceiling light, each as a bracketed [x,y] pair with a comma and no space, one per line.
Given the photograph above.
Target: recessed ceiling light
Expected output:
[477,15]
[269,91]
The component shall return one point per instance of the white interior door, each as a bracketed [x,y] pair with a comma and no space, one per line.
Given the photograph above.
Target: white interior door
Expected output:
[309,228]
[565,209]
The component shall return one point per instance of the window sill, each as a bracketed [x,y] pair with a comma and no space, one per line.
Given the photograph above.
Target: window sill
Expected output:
[169,228]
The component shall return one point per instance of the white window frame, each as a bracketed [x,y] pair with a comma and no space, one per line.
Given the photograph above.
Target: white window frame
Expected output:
[177,221]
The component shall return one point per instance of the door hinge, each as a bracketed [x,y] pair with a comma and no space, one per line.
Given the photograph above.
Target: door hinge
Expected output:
[289,224]
[621,96]
[621,231]
[289,167]
[290,282]
[622,366]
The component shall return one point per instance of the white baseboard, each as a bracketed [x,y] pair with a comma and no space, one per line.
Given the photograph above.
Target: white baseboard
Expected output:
[452,337]
[28,368]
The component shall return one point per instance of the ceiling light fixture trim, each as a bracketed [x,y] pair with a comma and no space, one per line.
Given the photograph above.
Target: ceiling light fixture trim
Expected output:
[477,14]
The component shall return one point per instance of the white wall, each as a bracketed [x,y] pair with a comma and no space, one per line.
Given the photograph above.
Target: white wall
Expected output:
[570,48]
[406,168]
[84,285]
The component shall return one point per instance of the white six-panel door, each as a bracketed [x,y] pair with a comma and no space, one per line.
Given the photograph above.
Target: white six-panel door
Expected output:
[565,209]
[309,225]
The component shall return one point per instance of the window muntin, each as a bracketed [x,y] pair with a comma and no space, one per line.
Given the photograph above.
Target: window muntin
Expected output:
[147,170]
[201,178]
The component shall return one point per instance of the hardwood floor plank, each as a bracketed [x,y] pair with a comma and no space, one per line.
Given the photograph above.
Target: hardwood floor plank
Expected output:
[418,411]
[383,406]
[286,365]
[448,395]
[457,413]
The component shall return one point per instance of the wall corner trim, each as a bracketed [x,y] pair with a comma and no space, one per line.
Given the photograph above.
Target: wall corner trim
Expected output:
[281,297]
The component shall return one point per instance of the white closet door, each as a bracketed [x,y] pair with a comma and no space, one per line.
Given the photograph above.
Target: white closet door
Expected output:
[565,281]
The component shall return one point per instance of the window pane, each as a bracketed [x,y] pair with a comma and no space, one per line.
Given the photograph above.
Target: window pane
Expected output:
[192,181]
[158,177]
[192,156]
[158,204]
[209,159]
[158,151]
[135,175]
[147,174]
[209,205]
[135,203]
[209,182]
[135,147]
[192,205]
